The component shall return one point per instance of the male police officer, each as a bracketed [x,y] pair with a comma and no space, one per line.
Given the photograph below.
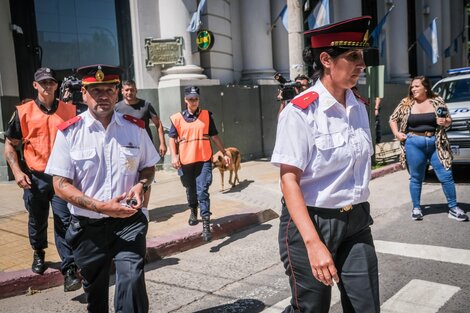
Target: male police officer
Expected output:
[102,162]
[35,125]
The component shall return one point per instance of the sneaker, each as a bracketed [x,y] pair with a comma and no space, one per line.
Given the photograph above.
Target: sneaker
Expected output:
[38,266]
[71,280]
[458,214]
[417,214]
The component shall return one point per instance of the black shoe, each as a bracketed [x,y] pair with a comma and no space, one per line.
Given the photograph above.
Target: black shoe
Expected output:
[38,266]
[71,280]
[193,217]
[206,229]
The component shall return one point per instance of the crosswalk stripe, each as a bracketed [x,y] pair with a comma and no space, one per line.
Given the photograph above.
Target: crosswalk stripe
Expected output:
[419,296]
[281,305]
[443,254]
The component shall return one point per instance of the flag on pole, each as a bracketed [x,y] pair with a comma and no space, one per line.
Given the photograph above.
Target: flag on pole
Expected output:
[196,18]
[320,15]
[283,15]
[375,34]
[428,41]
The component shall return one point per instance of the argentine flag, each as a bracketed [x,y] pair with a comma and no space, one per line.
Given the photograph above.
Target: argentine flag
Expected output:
[320,15]
[428,41]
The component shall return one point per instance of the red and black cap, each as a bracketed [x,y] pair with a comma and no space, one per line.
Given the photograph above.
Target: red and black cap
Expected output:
[99,74]
[351,33]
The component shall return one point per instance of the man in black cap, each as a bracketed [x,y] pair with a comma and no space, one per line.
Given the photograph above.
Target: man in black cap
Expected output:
[34,124]
[191,154]
[102,163]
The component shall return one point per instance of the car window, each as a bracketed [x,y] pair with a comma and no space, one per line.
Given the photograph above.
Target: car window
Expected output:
[454,91]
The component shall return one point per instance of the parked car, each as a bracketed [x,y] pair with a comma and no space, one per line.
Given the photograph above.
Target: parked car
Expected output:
[455,90]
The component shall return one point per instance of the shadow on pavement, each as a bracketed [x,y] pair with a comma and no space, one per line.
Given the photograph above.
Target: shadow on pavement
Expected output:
[440,208]
[239,306]
[164,213]
[238,236]
[238,188]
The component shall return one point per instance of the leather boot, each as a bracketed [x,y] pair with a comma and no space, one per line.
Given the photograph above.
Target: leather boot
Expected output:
[193,217]
[206,229]
[71,280]
[38,266]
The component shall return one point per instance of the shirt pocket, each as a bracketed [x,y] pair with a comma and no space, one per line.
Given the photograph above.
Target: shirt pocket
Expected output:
[331,148]
[129,160]
[84,159]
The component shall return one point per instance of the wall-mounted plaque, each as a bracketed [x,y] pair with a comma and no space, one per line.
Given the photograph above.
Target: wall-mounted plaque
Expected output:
[164,51]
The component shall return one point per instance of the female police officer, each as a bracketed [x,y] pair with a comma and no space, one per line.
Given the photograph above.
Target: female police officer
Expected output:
[323,148]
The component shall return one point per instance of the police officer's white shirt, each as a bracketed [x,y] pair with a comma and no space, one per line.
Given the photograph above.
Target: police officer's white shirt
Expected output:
[331,144]
[103,163]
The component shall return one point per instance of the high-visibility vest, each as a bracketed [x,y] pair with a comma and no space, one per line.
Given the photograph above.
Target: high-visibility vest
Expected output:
[193,138]
[39,130]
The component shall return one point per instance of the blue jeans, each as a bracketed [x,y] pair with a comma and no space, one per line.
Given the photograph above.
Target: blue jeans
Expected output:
[420,150]
[197,178]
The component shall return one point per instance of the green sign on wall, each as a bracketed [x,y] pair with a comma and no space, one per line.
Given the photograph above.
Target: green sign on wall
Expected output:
[204,40]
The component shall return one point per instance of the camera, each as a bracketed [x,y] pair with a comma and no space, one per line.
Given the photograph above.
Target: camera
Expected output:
[287,87]
[441,111]
[70,90]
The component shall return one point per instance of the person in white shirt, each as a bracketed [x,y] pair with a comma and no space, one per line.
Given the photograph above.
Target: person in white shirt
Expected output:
[323,148]
[102,162]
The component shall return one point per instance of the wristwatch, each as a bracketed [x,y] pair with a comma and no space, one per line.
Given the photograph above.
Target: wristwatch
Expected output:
[146,187]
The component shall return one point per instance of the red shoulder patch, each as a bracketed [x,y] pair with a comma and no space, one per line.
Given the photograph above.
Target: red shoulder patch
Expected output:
[64,125]
[134,120]
[305,100]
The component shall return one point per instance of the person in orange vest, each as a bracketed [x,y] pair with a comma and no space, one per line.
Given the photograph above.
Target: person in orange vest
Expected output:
[191,154]
[34,125]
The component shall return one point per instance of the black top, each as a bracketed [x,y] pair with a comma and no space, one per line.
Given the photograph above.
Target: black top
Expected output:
[422,122]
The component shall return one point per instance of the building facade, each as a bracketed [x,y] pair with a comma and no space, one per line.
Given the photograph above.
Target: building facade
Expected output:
[248,44]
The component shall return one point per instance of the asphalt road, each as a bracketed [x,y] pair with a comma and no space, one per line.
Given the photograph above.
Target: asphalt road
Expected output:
[424,266]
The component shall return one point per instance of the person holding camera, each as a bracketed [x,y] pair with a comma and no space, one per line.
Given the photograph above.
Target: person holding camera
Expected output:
[102,163]
[419,122]
[34,125]
[302,84]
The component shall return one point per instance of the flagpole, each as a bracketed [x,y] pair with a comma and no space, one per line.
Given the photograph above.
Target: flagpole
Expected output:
[412,45]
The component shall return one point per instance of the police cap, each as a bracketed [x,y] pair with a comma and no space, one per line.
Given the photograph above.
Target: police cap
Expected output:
[99,74]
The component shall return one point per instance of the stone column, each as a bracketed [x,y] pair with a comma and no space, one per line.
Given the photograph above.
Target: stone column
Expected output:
[398,35]
[256,41]
[174,19]
[280,41]
[296,37]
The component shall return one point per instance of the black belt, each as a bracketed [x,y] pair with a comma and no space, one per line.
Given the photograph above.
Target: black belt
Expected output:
[83,220]
[344,209]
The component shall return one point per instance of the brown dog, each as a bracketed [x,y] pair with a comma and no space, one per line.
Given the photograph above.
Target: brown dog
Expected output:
[218,162]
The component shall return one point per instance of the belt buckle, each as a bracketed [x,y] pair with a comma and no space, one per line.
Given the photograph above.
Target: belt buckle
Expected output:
[346,208]
[428,133]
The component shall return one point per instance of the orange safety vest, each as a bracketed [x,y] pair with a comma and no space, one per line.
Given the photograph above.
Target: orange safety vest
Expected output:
[193,138]
[39,130]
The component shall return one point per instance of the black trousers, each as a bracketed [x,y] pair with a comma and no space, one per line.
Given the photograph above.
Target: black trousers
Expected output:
[96,243]
[36,201]
[348,238]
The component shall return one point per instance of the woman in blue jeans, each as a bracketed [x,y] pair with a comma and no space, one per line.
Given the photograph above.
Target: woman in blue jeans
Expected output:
[419,122]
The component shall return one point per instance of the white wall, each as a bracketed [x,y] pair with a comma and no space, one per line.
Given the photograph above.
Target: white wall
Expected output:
[8,75]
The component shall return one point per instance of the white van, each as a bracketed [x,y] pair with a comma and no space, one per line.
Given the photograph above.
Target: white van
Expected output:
[455,90]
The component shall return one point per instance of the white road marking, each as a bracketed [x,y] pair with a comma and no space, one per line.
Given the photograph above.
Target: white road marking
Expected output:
[436,253]
[419,296]
[281,305]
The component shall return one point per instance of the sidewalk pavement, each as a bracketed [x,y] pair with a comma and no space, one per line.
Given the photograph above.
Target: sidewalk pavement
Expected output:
[254,201]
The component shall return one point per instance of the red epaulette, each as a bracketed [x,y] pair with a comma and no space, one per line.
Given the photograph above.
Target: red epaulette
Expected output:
[134,120]
[303,101]
[64,125]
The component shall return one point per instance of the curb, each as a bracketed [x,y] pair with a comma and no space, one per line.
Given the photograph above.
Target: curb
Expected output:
[388,169]
[25,281]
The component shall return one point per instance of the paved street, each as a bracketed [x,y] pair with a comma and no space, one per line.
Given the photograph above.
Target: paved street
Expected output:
[424,266]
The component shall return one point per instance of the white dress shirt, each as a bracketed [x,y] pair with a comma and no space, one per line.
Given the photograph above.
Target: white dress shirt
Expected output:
[332,146]
[103,163]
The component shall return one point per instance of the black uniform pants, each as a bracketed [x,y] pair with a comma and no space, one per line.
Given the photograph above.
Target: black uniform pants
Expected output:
[96,243]
[36,201]
[348,238]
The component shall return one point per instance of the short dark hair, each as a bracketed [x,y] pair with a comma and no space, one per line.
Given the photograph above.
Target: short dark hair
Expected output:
[129,82]
[302,77]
